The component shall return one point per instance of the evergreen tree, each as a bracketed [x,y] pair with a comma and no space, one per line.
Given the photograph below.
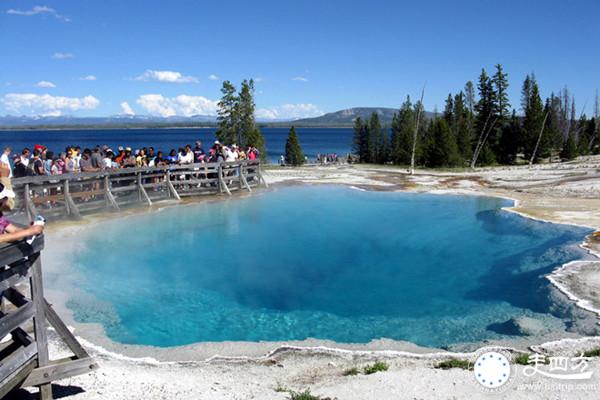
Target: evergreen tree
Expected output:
[569,151]
[500,83]
[227,114]
[374,143]
[403,126]
[583,144]
[509,140]
[441,146]
[246,110]
[526,92]
[486,119]
[449,110]
[360,140]
[462,127]
[248,134]
[533,120]
[293,151]
[470,97]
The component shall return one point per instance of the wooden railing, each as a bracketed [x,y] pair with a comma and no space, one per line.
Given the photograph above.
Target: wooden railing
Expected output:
[24,360]
[76,193]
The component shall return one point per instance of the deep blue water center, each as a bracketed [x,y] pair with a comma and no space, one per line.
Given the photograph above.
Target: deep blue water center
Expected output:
[322,262]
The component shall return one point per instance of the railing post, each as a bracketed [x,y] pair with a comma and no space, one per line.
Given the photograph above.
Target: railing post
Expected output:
[39,322]
[170,186]
[69,203]
[222,183]
[142,194]
[29,206]
[110,199]
[260,176]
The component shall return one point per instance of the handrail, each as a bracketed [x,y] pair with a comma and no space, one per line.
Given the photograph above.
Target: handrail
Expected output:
[75,193]
[38,179]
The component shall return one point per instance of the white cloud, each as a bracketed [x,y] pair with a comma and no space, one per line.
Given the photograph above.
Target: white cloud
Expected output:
[45,104]
[166,76]
[45,84]
[38,10]
[259,79]
[88,78]
[182,105]
[213,77]
[289,111]
[300,79]
[62,56]
[126,109]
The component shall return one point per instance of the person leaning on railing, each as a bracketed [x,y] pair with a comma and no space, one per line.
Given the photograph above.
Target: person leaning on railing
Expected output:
[8,231]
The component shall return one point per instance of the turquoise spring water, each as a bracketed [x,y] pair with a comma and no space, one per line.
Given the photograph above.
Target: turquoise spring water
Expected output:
[322,262]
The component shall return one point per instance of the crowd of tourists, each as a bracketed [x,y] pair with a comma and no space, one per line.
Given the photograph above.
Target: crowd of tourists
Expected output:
[42,161]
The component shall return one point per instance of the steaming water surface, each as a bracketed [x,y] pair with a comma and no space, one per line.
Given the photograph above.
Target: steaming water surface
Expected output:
[321,262]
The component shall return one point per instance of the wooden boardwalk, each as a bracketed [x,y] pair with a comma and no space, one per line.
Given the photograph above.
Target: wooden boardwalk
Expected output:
[24,359]
[73,194]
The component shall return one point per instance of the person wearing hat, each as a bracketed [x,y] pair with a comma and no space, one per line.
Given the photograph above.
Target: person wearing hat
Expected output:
[8,231]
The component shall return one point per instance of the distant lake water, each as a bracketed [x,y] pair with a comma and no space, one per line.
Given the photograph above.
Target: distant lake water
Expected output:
[312,140]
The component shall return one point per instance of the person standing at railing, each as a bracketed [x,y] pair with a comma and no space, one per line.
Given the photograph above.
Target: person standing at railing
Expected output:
[8,231]
[36,163]
[199,153]
[97,161]
[6,174]
[187,155]
[70,164]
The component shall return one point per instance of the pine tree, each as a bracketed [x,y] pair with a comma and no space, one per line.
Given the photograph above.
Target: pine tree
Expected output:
[500,83]
[509,140]
[583,142]
[569,151]
[486,120]
[227,114]
[441,147]
[246,110]
[462,127]
[533,120]
[248,133]
[470,97]
[403,126]
[293,151]
[449,110]
[373,138]
[360,140]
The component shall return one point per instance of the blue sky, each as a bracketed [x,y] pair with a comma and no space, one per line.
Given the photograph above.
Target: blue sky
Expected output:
[89,58]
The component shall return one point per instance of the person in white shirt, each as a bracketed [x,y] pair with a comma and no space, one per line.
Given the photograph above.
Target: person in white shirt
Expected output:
[229,155]
[25,157]
[187,156]
[5,162]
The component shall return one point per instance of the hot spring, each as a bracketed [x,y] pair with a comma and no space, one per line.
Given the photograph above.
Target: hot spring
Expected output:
[323,262]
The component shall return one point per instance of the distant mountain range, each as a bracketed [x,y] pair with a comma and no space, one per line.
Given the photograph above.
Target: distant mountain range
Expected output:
[342,118]
[346,117]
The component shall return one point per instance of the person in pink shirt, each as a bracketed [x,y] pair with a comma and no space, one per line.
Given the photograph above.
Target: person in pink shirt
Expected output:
[8,231]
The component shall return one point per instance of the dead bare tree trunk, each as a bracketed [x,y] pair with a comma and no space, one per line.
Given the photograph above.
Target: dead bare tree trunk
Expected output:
[537,144]
[415,136]
[481,141]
